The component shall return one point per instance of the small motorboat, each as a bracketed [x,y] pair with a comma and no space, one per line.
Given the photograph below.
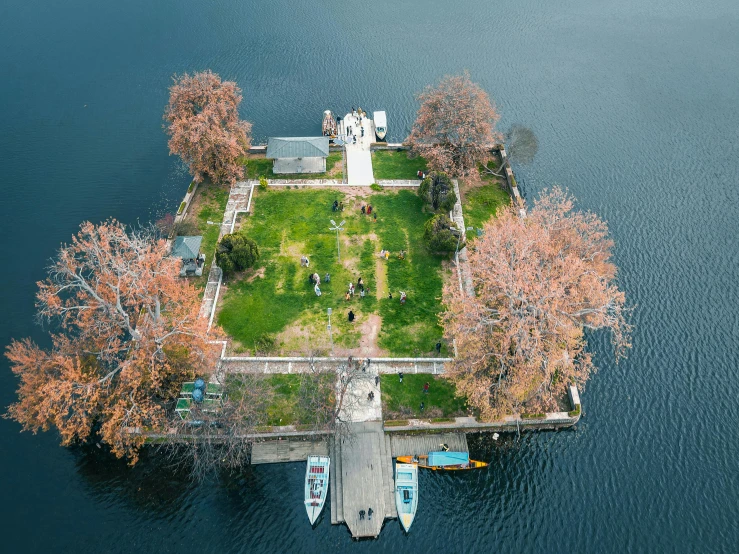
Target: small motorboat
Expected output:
[406,493]
[443,460]
[329,126]
[380,125]
[316,485]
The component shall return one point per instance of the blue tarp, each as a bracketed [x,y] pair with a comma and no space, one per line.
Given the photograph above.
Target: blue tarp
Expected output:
[448,458]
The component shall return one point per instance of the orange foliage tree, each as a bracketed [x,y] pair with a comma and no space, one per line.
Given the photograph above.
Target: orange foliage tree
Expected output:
[130,334]
[455,125]
[204,126]
[539,282]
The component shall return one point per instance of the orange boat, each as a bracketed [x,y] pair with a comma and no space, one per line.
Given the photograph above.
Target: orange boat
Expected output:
[443,460]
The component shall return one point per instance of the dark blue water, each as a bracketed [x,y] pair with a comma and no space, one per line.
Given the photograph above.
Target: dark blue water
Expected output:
[636,109]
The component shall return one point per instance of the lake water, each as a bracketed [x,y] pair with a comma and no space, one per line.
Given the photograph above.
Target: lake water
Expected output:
[635,106]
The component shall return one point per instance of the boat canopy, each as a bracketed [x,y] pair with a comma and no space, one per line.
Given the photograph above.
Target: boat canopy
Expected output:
[380,120]
[448,458]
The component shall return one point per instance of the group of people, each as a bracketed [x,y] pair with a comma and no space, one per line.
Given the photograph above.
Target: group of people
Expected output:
[337,206]
[367,210]
[369,513]
[315,280]
[362,290]
[403,297]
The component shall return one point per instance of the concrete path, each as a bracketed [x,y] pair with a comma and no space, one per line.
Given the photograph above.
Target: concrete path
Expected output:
[358,155]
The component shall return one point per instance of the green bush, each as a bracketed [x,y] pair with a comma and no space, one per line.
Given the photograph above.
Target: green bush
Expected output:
[437,189]
[575,412]
[191,187]
[236,252]
[263,182]
[443,420]
[438,234]
[376,187]
[182,208]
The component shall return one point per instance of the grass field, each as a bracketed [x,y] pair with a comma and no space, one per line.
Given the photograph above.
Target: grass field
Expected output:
[391,164]
[403,400]
[284,406]
[481,203]
[257,166]
[273,308]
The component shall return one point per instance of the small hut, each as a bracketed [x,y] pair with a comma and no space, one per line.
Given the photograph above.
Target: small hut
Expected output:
[298,154]
[188,250]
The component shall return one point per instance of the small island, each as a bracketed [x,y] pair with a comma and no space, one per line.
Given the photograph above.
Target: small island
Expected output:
[357,302]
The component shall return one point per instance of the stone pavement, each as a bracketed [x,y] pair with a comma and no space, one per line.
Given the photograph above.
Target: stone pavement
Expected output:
[358,156]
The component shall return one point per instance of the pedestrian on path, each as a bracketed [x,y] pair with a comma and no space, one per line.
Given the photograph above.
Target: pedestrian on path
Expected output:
[422,405]
[438,347]
[426,388]
[361,514]
[400,374]
[369,513]
[362,131]
[377,380]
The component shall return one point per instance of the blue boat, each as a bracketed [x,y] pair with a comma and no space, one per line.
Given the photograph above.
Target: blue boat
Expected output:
[316,485]
[406,493]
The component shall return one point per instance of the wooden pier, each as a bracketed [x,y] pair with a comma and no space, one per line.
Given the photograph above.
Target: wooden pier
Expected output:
[361,469]
[362,478]
[273,452]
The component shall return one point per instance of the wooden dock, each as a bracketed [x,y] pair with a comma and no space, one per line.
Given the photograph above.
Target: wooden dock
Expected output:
[273,452]
[362,478]
[416,445]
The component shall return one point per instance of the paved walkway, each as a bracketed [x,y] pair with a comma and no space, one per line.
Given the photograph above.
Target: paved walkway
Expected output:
[358,155]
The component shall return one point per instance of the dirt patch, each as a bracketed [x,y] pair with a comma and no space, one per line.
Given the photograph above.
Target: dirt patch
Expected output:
[258,273]
[381,289]
[370,330]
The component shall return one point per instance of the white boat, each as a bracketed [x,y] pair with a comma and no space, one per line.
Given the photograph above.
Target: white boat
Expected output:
[316,485]
[406,493]
[380,124]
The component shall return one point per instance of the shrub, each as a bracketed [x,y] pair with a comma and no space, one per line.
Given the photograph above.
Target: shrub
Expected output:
[533,416]
[439,236]
[185,228]
[575,412]
[182,208]
[191,187]
[376,187]
[263,182]
[236,252]
[438,190]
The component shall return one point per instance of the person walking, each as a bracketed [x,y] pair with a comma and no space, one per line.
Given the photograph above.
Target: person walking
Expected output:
[400,374]
[377,380]
[426,388]
[369,513]
[361,514]
[422,405]
[438,347]
[351,316]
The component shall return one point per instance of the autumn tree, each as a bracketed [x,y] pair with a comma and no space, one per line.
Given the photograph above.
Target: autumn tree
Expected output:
[128,335]
[455,125]
[204,126]
[540,282]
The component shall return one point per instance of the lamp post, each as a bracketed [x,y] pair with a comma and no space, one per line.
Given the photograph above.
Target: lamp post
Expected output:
[337,228]
[330,333]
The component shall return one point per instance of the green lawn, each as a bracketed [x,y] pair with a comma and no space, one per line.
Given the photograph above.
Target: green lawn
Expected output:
[480,204]
[282,391]
[391,164]
[403,400]
[212,203]
[273,308]
[260,166]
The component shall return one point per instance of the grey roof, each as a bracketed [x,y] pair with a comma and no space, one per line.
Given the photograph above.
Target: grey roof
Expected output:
[297,147]
[187,247]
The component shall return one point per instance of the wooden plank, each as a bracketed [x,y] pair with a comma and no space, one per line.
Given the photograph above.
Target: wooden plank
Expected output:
[390,509]
[335,481]
[271,452]
[414,445]
[362,481]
